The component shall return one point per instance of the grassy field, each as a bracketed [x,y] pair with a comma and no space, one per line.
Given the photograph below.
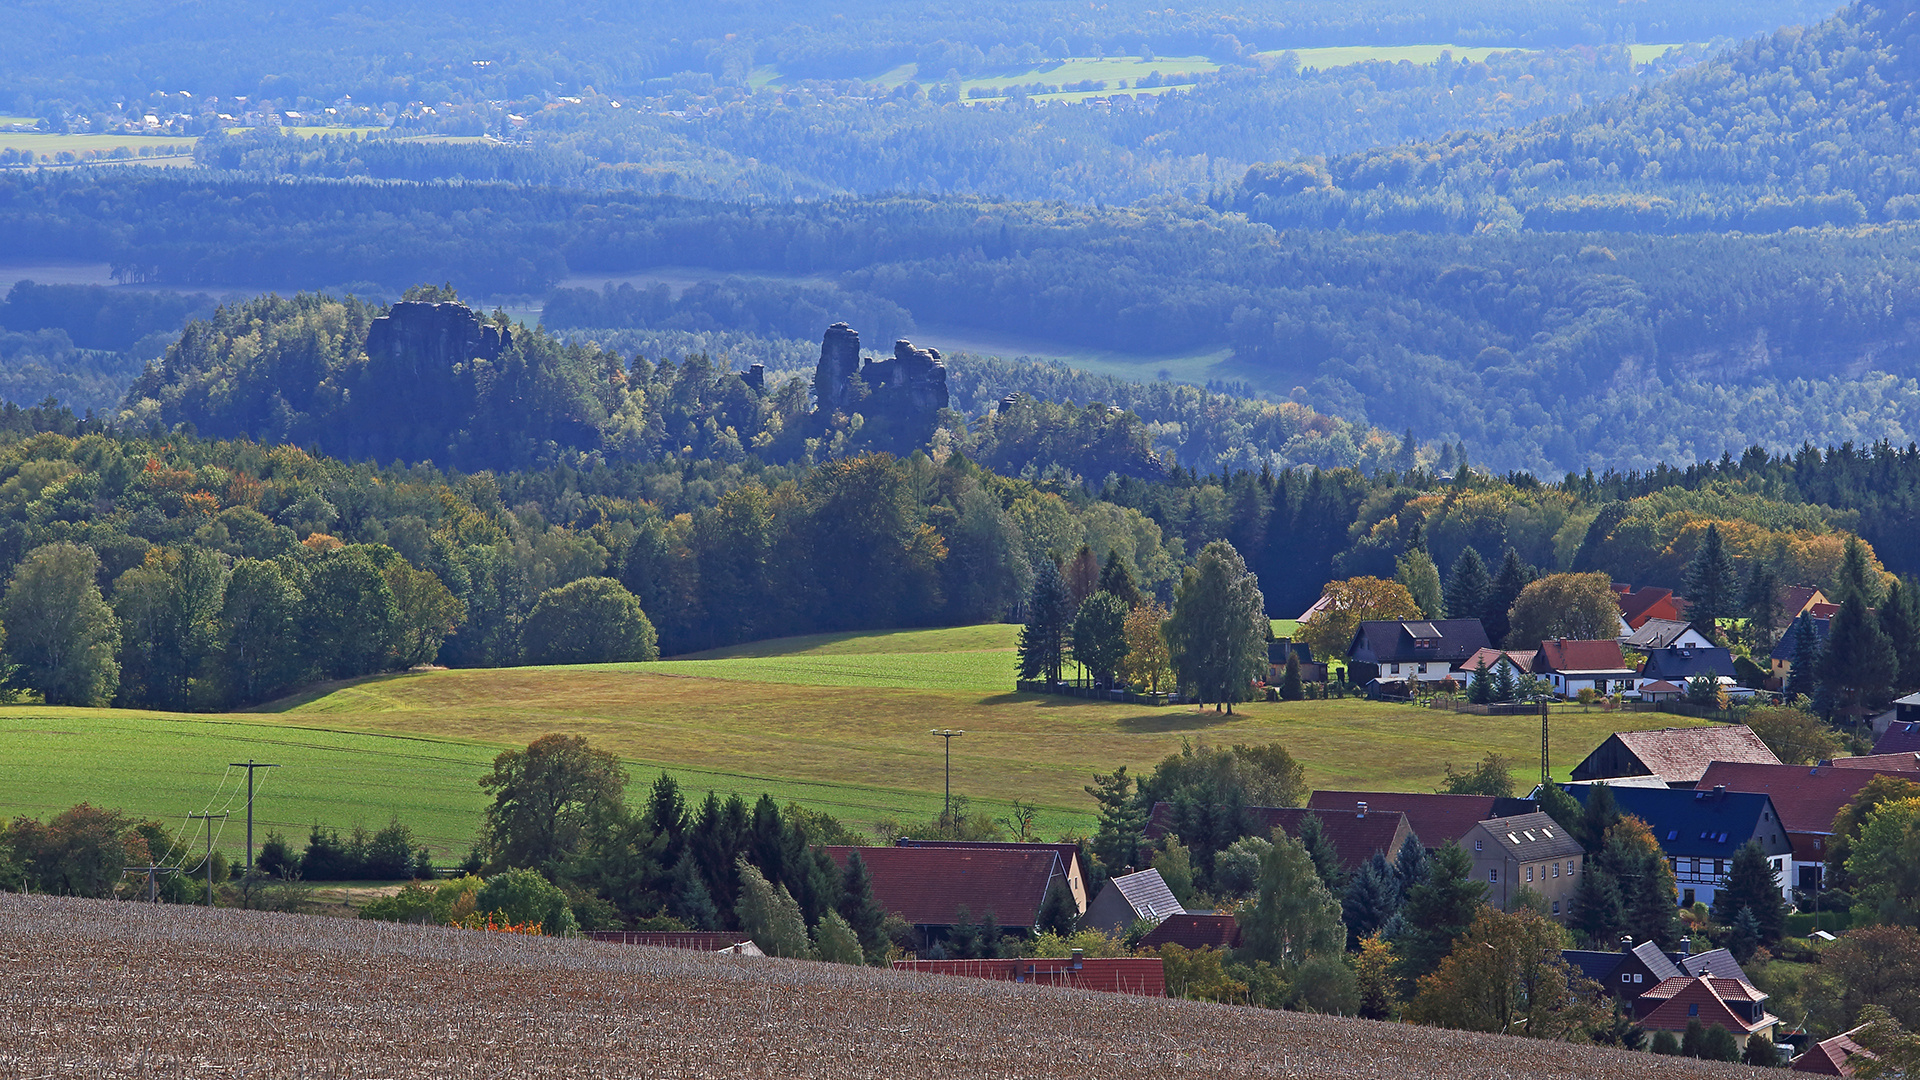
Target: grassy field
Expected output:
[39,143]
[836,721]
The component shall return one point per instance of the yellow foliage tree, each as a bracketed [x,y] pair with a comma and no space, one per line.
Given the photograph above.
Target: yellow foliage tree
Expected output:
[1352,602]
[1148,663]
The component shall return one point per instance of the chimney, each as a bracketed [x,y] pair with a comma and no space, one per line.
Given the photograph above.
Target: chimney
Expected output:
[1686,946]
[1363,809]
[1125,870]
[1719,791]
[1626,942]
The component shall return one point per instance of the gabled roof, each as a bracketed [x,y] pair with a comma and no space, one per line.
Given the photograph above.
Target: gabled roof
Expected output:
[1799,596]
[927,886]
[1696,824]
[1656,962]
[1452,640]
[1901,737]
[1909,762]
[1806,796]
[1568,657]
[1681,755]
[1639,605]
[1666,1005]
[1662,686]
[1146,892]
[1834,1057]
[1592,963]
[1519,658]
[1355,837]
[1718,963]
[1784,650]
[1687,662]
[1193,930]
[1529,836]
[1656,634]
[1435,819]
[1069,853]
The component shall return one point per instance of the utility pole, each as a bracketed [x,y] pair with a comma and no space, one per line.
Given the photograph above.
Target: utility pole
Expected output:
[249,765]
[1546,776]
[949,734]
[152,872]
[208,818]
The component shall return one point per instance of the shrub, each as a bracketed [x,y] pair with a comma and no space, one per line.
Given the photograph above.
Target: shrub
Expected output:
[1665,1043]
[589,621]
[522,897]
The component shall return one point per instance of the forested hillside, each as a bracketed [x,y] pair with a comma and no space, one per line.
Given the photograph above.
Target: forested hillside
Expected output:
[1804,127]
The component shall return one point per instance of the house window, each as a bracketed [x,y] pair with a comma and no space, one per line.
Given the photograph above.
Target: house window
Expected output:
[1476,845]
[1638,977]
[1556,907]
[1556,869]
[1394,669]
[1493,877]
[1625,978]
[1529,873]
[1693,1010]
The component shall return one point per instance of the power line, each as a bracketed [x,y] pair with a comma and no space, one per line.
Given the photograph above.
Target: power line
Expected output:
[208,859]
[250,765]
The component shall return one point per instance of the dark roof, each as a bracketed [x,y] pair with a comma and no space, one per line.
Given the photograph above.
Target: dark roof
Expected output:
[1069,853]
[1783,649]
[1681,755]
[1146,892]
[1592,963]
[1694,824]
[928,886]
[1798,596]
[1901,737]
[1563,656]
[1435,819]
[1687,662]
[1532,836]
[1277,651]
[1658,963]
[1718,963]
[1656,634]
[1195,931]
[1452,640]
[1805,796]
[1354,837]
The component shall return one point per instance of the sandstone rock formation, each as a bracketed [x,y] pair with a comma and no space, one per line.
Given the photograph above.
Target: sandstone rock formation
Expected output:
[421,342]
[912,382]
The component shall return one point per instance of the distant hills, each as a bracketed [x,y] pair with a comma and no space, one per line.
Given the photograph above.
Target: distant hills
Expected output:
[1805,127]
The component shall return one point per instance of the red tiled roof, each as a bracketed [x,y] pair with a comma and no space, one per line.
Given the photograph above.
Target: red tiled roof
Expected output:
[1901,737]
[1681,755]
[1435,819]
[1798,597]
[1563,655]
[1354,838]
[1519,658]
[1908,762]
[1194,931]
[1832,1057]
[1143,975]
[1639,605]
[1805,796]
[928,886]
[1824,611]
[1665,1007]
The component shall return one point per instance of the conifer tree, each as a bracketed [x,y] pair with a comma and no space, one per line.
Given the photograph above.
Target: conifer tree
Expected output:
[1855,577]
[1116,577]
[861,911]
[1439,908]
[1711,580]
[1058,913]
[1372,899]
[1858,665]
[1468,586]
[1752,887]
[1290,689]
[1043,640]
[1513,577]
[1805,660]
[1760,604]
[1900,620]
[1503,685]
[1598,912]
[1326,861]
[1480,687]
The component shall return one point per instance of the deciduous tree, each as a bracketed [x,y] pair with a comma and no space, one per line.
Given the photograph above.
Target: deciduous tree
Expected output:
[1147,663]
[543,797]
[1350,603]
[1505,974]
[589,621]
[1293,918]
[1578,607]
[1218,632]
[60,633]
[1100,636]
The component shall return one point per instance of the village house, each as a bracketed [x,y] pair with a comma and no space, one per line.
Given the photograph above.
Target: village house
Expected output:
[933,888]
[1805,796]
[1729,1003]
[1413,651]
[1780,660]
[1518,662]
[1893,763]
[1128,899]
[1069,859]
[1678,756]
[1835,1056]
[1195,930]
[1639,605]
[1801,600]
[1277,650]
[1700,831]
[1435,819]
[1665,634]
[1681,664]
[1573,666]
[1530,852]
[1901,737]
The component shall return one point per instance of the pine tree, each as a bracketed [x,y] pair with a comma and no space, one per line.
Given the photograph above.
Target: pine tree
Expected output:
[1116,838]
[1503,684]
[1480,687]
[1326,861]
[1856,577]
[1372,899]
[1290,689]
[862,912]
[1711,580]
[1116,577]
[1043,640]
[1411,865]
[1058,913]
[1805,660]
[1760,604]
[1900,620]
[1598,913]
[1858,665]
[1752,887]
[1513,577]
[1438,910]
[1468,586]
[1743,936]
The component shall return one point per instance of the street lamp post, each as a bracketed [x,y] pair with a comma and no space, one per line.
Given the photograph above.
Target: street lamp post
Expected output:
[949,734]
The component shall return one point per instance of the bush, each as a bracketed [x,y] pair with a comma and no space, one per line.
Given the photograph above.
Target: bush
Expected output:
[523,897]
[589,621]
[1760,1051]
[1665,1043]
[1719,1045]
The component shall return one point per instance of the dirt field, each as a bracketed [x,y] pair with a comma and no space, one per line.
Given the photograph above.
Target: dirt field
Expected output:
[104,989]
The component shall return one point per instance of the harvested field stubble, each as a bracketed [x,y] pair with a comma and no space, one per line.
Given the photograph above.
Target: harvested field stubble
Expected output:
[98,988]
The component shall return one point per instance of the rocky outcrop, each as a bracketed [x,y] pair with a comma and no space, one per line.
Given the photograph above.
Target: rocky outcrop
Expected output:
[425,341]
[912,382]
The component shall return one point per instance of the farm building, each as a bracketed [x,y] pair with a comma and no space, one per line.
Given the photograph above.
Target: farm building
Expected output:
[1355,832]
[1678,756]
[1805,796]
[1699,832]
[935,888]
[1129,898]
[1435,819]
[1069,858]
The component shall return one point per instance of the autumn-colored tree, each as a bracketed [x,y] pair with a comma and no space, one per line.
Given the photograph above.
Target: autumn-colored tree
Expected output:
[1505,974]
[1350,603]
[1795,735]
[1147,664]
[1578,607]
[1874,965]
[1373,970]
[1882,789]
